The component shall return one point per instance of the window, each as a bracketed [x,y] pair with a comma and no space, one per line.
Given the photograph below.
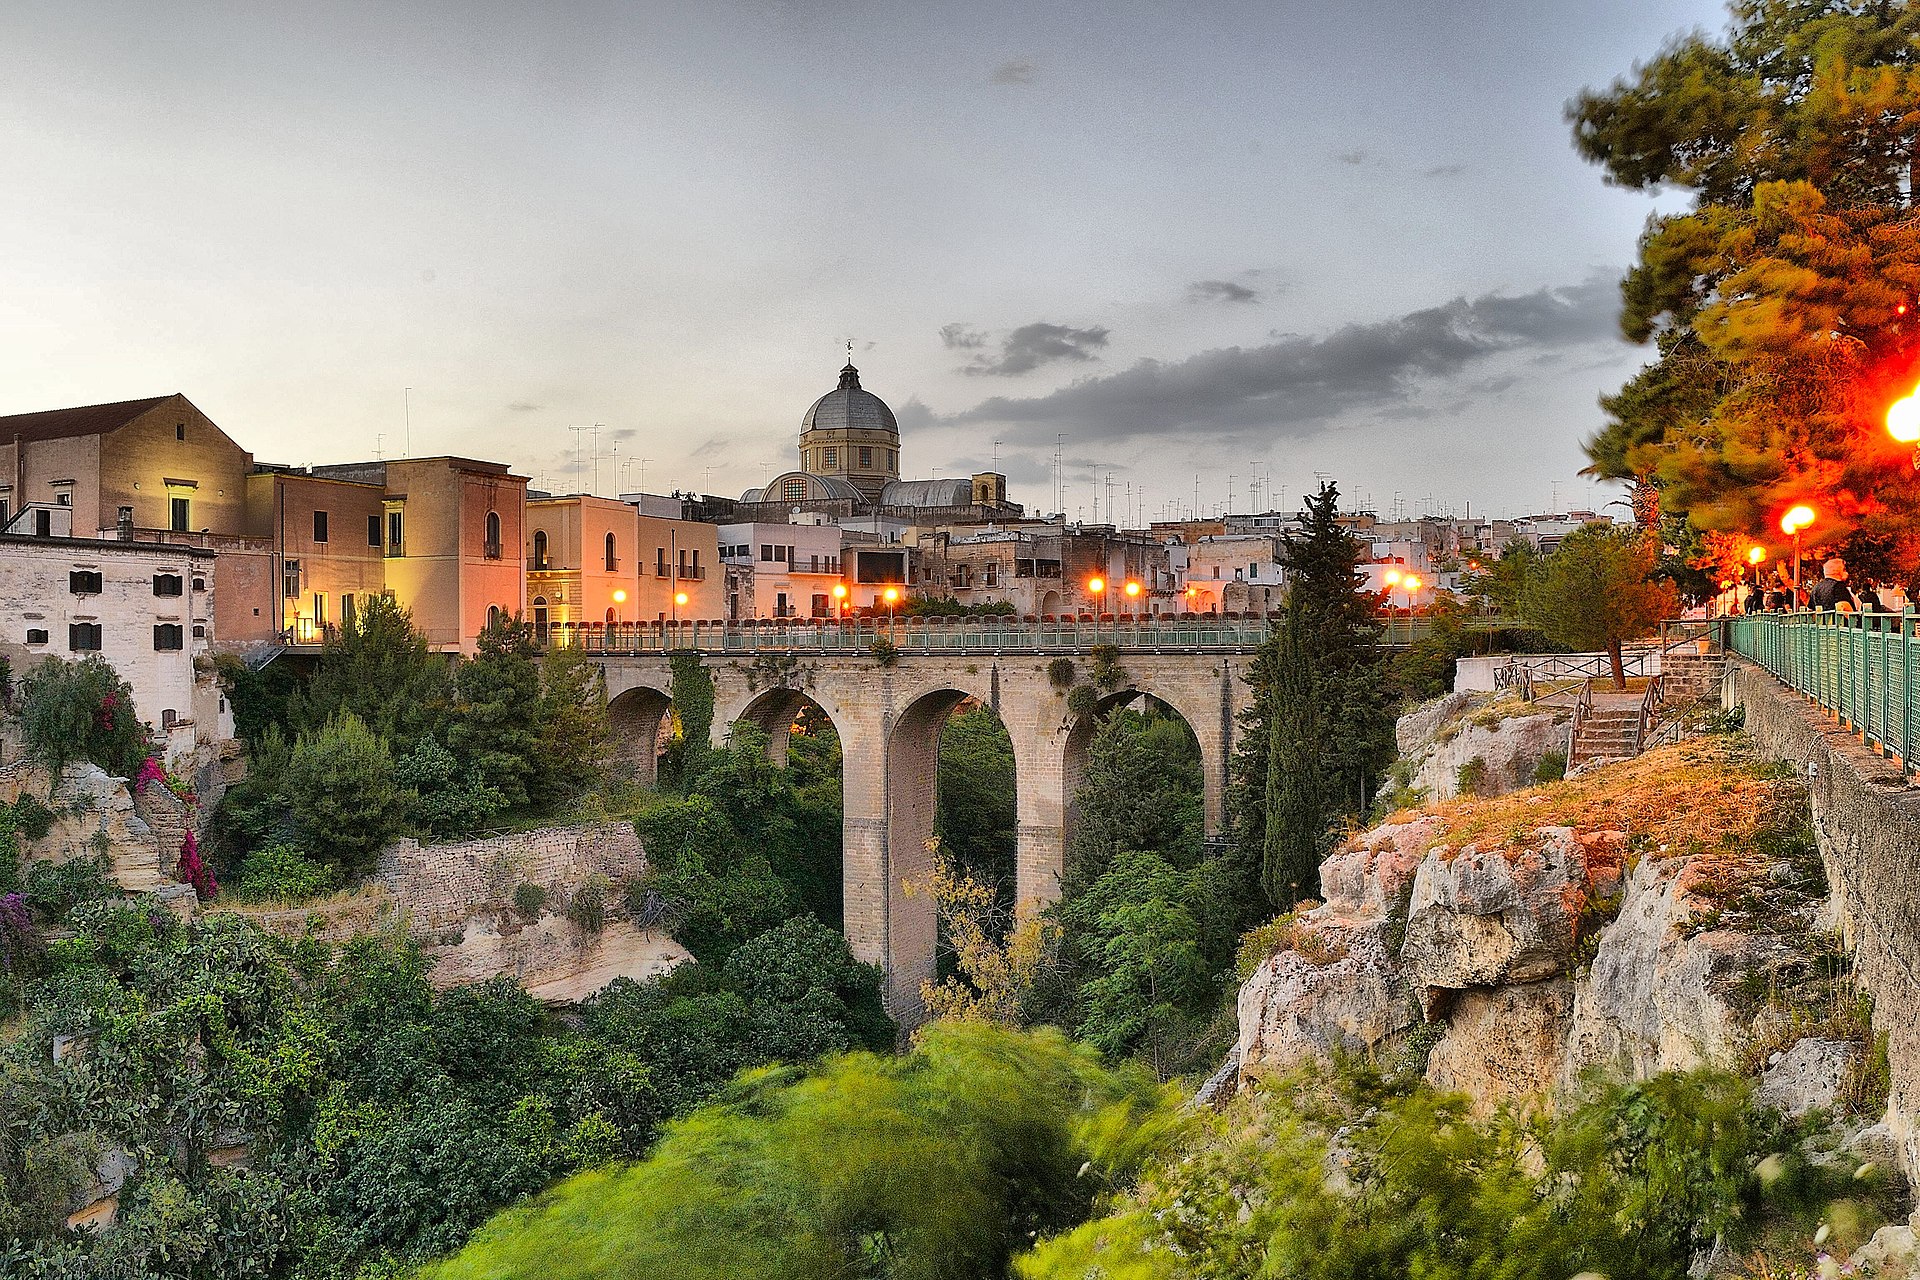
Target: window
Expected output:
[659,562]
[766,551]
[36,635]
[794,490]
[5,511]
[833,457]
[199,584]
[396,531]
[866,458]
[168,584]
[180,514]
[168,637]
[84,582]
[290,579]
[320,609]
[612,562]
[493,615]
[43,523]
[179,431]
[780,554]
[83,637]
[168,717]
[893,460]
[319,526]
[346,610]
[200,633]
[63,498]
[373,531]
[539,548]
[491,549]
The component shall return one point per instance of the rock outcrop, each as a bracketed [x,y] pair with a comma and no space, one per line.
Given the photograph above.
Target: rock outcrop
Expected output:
[1506,736]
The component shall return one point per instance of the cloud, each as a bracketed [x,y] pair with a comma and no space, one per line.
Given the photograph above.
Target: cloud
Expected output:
[1444,171]
[1032,345]
[1297,385]
[962,337]
[522,406]
[1220,291]
[1356,156]
[1017,71]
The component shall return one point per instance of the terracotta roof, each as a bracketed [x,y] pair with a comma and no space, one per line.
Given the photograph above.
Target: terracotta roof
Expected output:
[65,424]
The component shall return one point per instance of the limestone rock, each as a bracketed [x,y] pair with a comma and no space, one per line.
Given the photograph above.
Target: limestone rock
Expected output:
[1371,875]
[1808,1076]
[1503,1046]
[94,817]
[1893,1253]
[1293,1011]
[1484,919]
[1656,996]
[553,958]
[1436,739]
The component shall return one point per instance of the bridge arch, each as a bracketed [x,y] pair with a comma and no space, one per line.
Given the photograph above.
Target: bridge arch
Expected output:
[637,721]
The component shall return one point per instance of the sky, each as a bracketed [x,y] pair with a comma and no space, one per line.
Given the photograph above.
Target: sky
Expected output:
[1203,253]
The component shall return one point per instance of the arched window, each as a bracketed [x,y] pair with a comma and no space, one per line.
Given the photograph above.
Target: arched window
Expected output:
[609,615]
[612,562]
[540,619]
[540,549]
[493,616]
[794,489]
[492,548]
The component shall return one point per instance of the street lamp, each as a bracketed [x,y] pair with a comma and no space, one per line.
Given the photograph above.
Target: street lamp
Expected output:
[1796,519]
[1097,587]
[1133,591]
[839,600]
[892,596]
[1903,422]
[619,598]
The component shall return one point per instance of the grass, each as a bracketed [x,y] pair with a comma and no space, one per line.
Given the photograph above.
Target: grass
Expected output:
[1697,796]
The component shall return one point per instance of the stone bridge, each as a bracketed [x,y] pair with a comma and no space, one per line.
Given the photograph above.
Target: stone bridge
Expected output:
[889,717]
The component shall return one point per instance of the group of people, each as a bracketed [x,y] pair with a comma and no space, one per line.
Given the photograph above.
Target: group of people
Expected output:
[1832,591]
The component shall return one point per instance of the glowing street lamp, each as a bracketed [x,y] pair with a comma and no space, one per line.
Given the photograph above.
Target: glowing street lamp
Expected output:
[1097,588]
[1133,592]
[619,598]
[840,599]
[1903,422]
[892,596]
[1796,519]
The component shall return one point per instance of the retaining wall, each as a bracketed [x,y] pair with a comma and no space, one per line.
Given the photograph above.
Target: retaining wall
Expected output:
[1867,819]
[440,885]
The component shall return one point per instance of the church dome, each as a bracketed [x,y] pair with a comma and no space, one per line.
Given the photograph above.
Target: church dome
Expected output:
[848,407]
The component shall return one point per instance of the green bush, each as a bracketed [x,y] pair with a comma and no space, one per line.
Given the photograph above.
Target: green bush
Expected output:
[448,801]
[1551,768]
[884,651]
[281,872]
[1470,779]
[528,899]
[1060,673]
[341,786]
[588,906]
[1082,701]
[81,711]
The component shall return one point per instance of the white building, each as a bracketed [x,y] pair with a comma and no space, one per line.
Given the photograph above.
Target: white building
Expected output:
[145,607]
[1234,573]
[795,568]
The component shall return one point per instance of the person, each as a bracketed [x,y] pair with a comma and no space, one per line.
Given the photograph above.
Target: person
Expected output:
[1870,599]
[1753,598]
[1832,592]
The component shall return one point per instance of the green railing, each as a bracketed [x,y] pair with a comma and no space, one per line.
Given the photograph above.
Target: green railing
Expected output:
[1863,667]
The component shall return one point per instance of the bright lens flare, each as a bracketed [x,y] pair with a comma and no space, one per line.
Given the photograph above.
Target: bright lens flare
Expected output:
[1412,582]
[1391,577]
[1133,588]
[1903,418]
[1096,585]
[1796,519]
[1756,554]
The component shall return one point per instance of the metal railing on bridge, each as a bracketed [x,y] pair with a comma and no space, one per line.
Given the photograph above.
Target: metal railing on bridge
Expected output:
[1863,667]
[1209,633]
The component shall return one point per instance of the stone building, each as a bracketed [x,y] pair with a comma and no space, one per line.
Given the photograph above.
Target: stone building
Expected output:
[147,608]
[598,560]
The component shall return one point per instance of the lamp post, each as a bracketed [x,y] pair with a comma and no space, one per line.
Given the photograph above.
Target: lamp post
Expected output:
[840,601]
[892,597]
[1132,590]
[1796,519]
[1097,588]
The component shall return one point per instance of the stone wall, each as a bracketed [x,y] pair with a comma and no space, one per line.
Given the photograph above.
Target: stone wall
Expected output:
[1868,822]
[439,886]
[334,920]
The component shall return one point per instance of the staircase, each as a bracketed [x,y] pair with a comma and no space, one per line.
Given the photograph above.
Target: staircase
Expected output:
[1610,730]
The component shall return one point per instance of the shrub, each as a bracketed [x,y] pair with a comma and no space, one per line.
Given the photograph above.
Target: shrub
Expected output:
[1471,778]
[529,898]
[81,711]
[1060,673]
[32,818]
[341,787]
[55,888]
[282,872]
[1104,661]
[1551,768]
[195,872]
[447,801]
[885,652]
[588,909]
[1082,700]
[19,939]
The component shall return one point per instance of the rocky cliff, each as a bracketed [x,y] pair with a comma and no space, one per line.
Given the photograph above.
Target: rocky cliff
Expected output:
[1482,743]
[1663,913]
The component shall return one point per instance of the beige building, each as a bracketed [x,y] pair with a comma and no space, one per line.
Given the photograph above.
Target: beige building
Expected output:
[849,434]
[147,608]
[453,538]
[328,547]
[598,560]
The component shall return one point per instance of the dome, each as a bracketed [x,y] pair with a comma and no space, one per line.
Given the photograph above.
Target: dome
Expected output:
[848,407]
[802,486]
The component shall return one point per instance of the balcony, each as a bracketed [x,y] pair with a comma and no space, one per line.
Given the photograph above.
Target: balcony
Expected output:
[692,573]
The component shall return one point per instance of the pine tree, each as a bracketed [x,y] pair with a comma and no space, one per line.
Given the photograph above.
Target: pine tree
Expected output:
[1318,735]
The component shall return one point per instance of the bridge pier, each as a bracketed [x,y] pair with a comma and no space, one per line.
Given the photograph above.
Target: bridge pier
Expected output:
[889,721]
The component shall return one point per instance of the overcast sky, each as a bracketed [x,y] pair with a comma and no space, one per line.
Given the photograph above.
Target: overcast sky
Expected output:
[1192,244]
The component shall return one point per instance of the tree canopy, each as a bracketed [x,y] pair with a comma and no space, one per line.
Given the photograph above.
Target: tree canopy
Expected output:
[1784,306]
[1596,591]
